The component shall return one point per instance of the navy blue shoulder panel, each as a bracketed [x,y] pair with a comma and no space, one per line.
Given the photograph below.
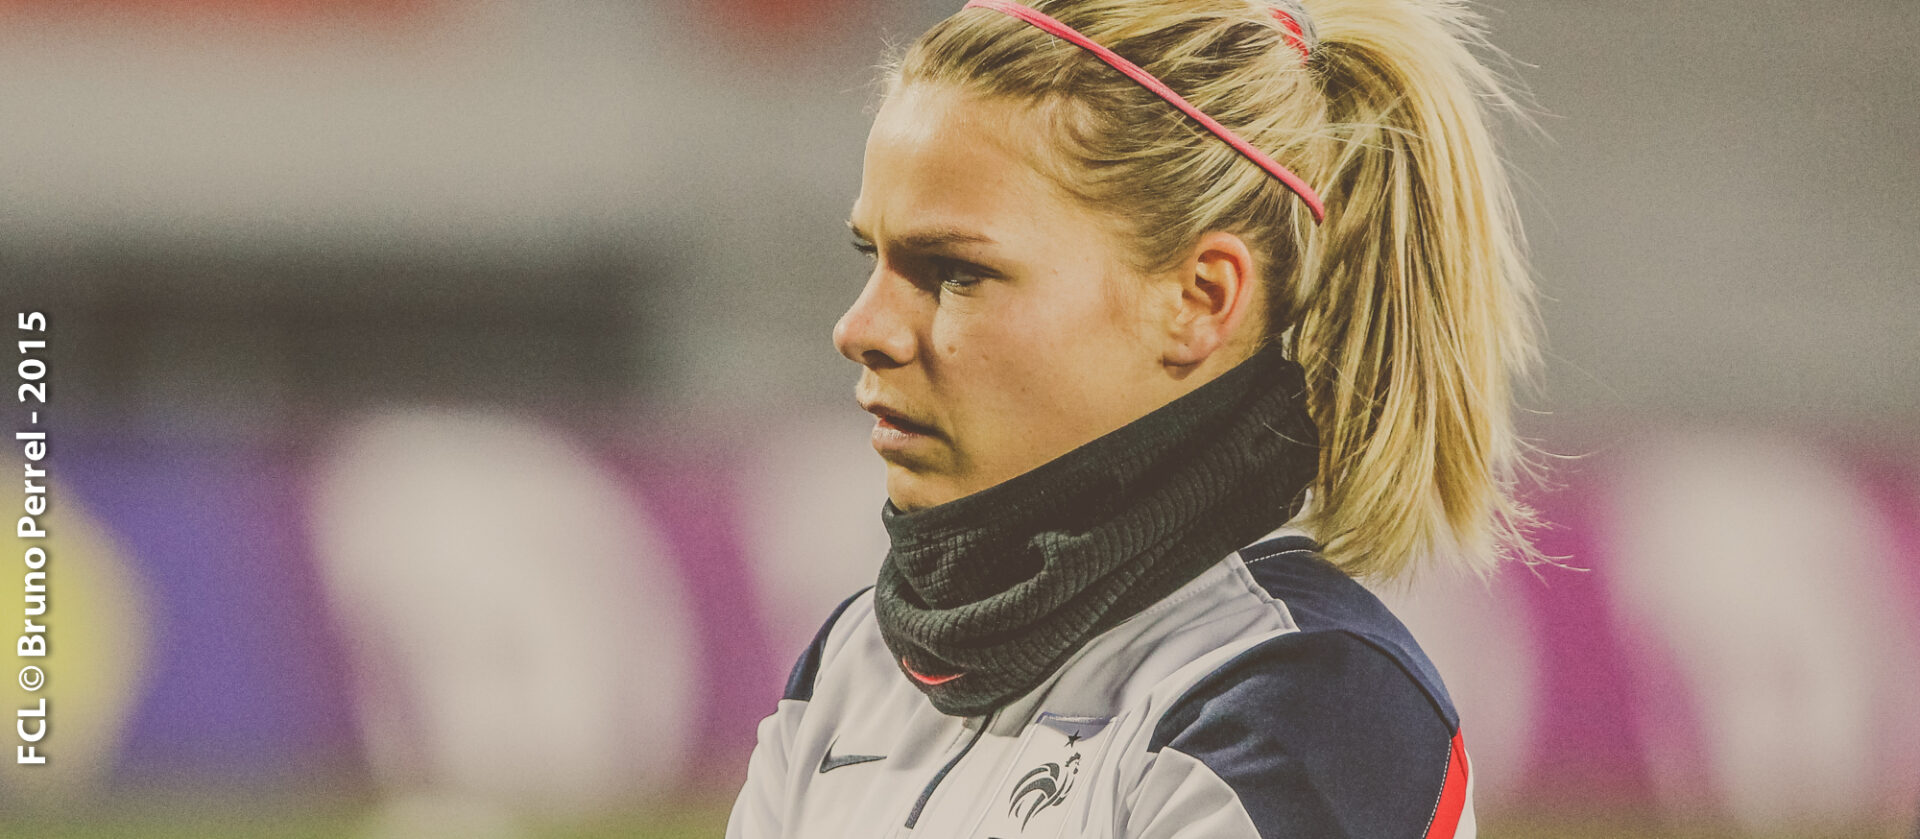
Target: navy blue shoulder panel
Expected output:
[1338,730]
[1323,598]
[800,681]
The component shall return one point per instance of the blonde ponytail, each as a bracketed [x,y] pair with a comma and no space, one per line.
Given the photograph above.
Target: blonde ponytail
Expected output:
[1410,308]
[1416,307]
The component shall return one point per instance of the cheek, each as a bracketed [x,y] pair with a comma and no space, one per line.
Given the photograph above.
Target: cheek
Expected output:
[968,351]
[981,366]
[1031,358]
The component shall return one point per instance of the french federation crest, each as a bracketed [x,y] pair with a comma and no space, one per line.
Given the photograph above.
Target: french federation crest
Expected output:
[1043,787]
[1046,784]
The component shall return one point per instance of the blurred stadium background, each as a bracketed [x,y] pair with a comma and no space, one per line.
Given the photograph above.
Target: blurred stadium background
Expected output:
[447,441]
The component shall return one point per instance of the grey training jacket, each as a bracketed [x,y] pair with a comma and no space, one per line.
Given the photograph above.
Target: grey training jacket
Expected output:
[1271,696]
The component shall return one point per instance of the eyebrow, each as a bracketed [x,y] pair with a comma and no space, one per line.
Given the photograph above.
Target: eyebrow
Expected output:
[929,239]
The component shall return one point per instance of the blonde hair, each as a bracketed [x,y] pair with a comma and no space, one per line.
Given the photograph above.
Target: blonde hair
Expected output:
[1410,308]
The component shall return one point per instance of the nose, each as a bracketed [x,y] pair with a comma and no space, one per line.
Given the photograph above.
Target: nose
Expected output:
[875,331]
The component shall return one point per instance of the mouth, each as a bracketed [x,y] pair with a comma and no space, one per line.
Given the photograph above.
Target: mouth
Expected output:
[898,438]
[893,420]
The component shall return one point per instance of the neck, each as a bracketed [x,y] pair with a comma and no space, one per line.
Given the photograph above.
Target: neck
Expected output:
[982,597]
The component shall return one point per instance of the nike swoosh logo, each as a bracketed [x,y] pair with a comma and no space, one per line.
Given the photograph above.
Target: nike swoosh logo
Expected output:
[829,762]
[922,678]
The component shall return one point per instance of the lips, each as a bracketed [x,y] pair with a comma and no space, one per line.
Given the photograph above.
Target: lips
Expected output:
[892,417]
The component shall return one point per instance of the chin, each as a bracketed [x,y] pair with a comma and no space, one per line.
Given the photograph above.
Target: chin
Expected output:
[909,491]
[906,495]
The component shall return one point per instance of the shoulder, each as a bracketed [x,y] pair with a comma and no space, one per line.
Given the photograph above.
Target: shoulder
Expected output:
[806,670]
[1341,728]
[1332,609]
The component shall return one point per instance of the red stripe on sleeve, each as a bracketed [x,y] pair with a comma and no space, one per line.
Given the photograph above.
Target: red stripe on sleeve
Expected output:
[1453,793]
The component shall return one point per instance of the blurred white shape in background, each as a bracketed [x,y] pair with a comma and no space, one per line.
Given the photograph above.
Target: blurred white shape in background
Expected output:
[1759,570]
[521,637]
[812,521]
[1480,637]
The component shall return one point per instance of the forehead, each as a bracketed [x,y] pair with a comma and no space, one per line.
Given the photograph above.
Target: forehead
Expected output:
[940,157]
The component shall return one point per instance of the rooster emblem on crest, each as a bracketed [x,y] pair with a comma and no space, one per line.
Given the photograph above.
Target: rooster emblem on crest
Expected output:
[1043,787]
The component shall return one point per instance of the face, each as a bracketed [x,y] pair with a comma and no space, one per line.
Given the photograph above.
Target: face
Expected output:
[998,328]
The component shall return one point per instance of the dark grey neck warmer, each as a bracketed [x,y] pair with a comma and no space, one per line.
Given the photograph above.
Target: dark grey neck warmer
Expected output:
[983,597]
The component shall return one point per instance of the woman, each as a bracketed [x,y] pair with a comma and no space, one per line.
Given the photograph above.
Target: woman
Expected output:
[1183,314]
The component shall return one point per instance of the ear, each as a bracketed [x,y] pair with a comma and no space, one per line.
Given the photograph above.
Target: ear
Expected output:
[1217,288]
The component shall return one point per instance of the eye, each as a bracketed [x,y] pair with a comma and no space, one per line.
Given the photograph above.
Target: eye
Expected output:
[931,272]
[956,275]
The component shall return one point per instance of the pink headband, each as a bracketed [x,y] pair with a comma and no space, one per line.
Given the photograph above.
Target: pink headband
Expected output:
[1146,80]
